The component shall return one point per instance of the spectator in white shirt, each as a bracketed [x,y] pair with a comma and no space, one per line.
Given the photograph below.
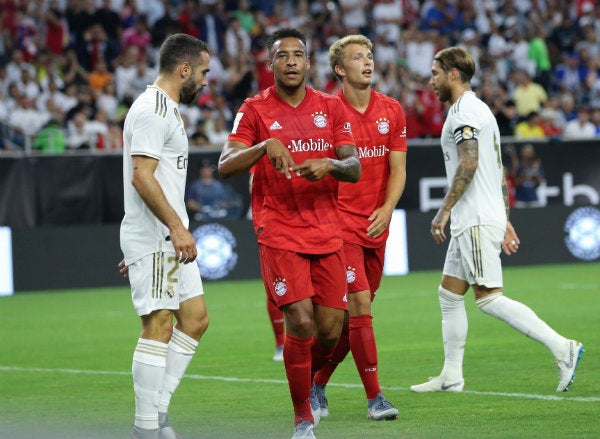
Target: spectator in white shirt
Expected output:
[387,19]
[218,132]
[28,86]
[126,71]
[55,101]
[420,49]
[580,128]
[80,133]
[354,15]
[107,101]
[26,118]
[237,39]
[15,66]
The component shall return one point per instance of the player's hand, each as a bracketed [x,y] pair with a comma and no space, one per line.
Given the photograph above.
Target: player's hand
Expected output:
[123,269]
[438,225]
[184,244]
[380,221]
[511,241]
[280,157]
[313,169]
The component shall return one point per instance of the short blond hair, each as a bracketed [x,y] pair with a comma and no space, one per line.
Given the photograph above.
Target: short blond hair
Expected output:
[336,50]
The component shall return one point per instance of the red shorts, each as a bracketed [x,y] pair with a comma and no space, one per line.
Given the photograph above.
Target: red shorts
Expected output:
[290,277]
[263,272]
[364,267]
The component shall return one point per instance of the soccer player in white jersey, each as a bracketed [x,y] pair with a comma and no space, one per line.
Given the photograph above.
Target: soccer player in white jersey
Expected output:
[158,249]
[477,204]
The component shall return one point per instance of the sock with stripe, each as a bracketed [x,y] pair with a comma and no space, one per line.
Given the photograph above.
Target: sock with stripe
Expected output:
[148,370]
[181,349]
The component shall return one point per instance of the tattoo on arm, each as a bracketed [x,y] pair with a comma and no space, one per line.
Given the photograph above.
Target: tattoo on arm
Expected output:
[469,157]
[347,167]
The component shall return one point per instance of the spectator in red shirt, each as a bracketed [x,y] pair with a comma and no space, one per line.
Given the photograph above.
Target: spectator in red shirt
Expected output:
[431,112]
[138,35]
[56,35]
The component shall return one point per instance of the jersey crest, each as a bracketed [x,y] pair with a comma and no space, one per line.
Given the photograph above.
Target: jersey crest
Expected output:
[320,119]
[383,125]
[280,286]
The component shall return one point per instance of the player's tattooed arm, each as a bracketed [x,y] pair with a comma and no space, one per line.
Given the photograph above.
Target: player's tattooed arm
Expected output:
[468,151]
[347,167]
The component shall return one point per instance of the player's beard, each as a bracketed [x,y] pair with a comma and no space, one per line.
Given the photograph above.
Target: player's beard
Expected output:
[188,92]
[444,94]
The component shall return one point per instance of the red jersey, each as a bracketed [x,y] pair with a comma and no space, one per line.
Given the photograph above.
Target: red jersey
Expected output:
[297,214]
[381,129]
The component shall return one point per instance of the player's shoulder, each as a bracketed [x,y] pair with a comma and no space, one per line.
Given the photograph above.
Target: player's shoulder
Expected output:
[467,103]
[384,99]
[265,98]
[154,110]
[318,94]
[153,101]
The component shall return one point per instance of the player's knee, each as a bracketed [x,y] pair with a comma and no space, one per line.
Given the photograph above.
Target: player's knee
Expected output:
[199,326]
[301,326]
[299,319]
[158,325]
[485,301]
[359,304]
[328,338]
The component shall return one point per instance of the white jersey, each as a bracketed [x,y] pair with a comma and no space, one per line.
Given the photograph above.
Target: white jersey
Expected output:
[153,128]
[483,201]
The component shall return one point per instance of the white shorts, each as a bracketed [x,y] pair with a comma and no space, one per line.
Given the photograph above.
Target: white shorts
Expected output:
[474,256]
[158,281]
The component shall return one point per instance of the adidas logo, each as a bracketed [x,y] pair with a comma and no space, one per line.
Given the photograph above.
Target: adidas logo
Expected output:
[275,126]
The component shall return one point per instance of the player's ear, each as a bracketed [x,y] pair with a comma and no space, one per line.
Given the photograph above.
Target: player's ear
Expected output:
[455,73]
[185,69]
[339,71]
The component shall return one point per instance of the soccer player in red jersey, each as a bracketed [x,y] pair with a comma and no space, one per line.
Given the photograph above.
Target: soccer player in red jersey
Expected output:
[301,144]
[379,129]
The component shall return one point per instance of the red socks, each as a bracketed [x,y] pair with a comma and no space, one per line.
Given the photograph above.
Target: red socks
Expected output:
[364,350]
[297,361]
[276,318]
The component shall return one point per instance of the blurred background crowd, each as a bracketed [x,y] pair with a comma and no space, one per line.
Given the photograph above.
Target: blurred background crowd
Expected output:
[70,69]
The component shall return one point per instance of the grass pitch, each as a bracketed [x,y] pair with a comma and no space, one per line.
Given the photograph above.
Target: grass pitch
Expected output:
[65,360]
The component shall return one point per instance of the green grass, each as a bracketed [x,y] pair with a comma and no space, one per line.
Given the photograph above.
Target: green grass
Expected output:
[65,359]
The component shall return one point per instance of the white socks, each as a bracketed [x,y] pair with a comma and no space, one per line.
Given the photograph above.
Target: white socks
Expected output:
[148,369]
[520,317]
[181,349]
[524,320]
[157,370]
[454,333]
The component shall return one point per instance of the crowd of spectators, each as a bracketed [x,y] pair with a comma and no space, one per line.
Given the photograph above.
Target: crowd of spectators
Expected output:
[70,69]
